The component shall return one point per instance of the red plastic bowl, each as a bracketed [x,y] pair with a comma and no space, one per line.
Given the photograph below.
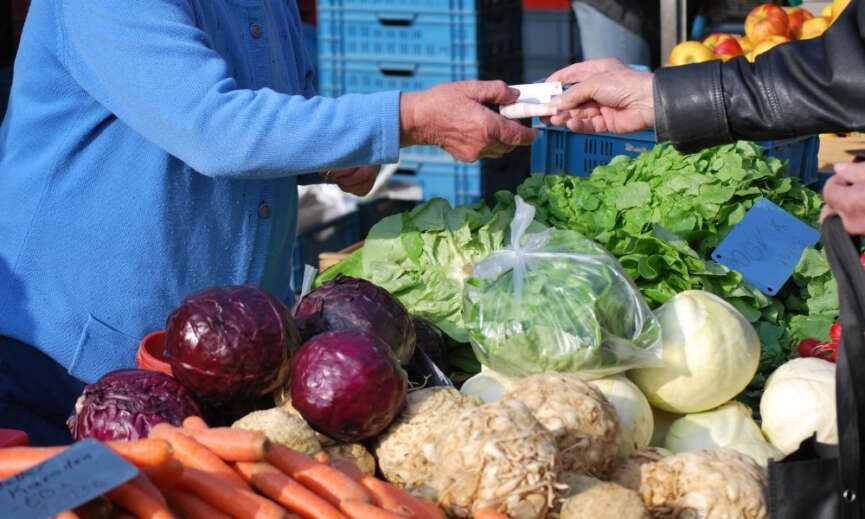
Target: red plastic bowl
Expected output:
[151,353]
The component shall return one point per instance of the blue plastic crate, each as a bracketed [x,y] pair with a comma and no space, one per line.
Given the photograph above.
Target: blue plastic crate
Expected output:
[559,150]
[418,36]
[465,183]
[417,5]
[333,235]
[349,76]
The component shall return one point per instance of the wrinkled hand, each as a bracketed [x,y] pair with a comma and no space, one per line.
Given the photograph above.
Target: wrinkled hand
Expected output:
[607,96]
[452,117]
[844,193]
[357,181]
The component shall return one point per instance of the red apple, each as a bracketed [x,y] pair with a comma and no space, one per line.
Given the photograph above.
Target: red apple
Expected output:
[690,52]
[728,49]
[797,16]
[714,39]
[766,20]
[814,27]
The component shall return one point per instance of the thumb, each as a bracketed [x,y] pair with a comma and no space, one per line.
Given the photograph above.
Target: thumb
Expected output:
[493,92]
[575,96]
[513,133]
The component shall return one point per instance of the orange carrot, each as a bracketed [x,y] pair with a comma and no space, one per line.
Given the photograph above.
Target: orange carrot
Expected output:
[145,485]
[324,480]
[271,482]
[392,498]
[193,454]
[165,476]
[228,497]
[489,513]
[195,422]
[68,514]
[349,468]
[190,506]
[292,515]
[361,510]
[141,453]
[231,444]
[137,501]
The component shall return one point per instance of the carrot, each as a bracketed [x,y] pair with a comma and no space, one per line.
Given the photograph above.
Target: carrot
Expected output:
[392,498]
[271,482]
[228,497]
[349,468]
[68,514]
[361,510]
[231,444]
[292,515]
[165,476]
[324,480]
[194,422]
[142,453]
[145,485]
[489,513]
[190,506]
[193,454]
[137,501]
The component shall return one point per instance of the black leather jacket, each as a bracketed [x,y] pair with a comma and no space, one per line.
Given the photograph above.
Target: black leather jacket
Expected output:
[800,88]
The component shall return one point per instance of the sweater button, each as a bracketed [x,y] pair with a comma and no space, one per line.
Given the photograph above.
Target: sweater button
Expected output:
[264,211]
[255,29]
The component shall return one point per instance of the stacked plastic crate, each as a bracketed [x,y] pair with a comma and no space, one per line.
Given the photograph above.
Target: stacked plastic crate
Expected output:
[374,45]
[550,38]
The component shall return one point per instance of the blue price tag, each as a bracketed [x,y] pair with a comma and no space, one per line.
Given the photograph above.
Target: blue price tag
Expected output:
[766,246]
[86,469]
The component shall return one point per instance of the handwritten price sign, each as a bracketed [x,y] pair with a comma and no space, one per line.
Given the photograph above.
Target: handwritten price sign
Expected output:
[766,246]
[78,474]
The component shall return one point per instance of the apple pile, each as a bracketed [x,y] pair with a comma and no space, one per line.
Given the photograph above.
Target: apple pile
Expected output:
[766,26]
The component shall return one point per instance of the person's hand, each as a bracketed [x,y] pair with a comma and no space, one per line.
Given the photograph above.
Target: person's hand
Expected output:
[452,117]
[844,193]
[357,181]
[607,96]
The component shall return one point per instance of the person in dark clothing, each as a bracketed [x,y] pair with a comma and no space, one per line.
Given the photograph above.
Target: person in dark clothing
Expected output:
[799,88]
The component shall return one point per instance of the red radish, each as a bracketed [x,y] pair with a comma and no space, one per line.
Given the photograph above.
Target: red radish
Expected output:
[862,260]
[835,333]
[819,349]
[806,347]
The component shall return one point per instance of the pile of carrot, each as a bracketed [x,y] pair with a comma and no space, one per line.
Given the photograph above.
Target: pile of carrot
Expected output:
[198,472]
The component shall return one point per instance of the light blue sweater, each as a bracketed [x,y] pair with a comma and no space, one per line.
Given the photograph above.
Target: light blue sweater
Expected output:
[149,150]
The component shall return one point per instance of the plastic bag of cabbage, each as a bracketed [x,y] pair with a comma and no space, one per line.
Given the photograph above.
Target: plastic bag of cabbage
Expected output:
[556,301]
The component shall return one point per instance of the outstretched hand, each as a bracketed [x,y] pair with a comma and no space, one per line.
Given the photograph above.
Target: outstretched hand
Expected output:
[452,116]
[606,96]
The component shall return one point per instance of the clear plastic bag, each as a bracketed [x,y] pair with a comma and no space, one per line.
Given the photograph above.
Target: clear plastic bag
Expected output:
[557,301]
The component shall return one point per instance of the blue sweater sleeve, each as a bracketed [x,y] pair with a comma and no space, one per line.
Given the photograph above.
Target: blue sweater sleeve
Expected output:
[147,63]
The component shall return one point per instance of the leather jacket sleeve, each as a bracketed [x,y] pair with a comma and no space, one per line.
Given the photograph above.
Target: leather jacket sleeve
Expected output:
[800,88]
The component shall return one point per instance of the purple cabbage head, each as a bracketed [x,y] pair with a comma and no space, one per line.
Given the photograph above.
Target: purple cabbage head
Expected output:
[231,343]
[345,303]
[347,384]
[125,404]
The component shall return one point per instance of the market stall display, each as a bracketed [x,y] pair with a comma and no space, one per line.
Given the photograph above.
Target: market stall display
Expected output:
[325,423]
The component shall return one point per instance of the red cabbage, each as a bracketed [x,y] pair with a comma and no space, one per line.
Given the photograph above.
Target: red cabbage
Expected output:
[347,384]
[125,404]
[231,343]
[344,303]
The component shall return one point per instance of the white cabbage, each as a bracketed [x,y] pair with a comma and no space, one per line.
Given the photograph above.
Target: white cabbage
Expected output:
[710,354]
[730,425]
[799,400]
[635,414]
